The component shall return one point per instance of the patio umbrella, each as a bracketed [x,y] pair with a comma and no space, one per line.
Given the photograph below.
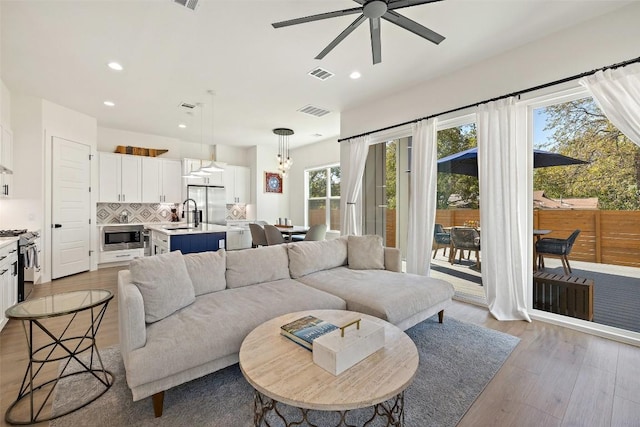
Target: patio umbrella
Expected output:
[466,162]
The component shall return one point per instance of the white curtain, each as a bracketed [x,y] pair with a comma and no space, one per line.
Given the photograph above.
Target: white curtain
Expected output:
[617,92]
[422,196]
[358,149]
[502,169]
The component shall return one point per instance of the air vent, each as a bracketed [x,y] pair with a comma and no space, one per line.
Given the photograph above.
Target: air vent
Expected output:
[321,73]
[314,111]
[187,105]
[189,4]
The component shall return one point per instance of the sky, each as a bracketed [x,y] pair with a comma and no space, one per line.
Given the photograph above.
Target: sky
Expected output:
[540,136]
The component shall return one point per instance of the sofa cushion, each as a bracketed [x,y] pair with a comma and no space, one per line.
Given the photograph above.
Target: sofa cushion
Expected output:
[164,283]
[207,271]
[309,257]
[366,252]
[390,296]
[215,325]
[259,265]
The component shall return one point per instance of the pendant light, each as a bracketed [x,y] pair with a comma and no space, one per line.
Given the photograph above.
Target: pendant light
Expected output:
[284,159]
[201,171]
[212,166]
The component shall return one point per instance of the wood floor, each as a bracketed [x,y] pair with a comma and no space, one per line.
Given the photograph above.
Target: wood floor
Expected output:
[554,377]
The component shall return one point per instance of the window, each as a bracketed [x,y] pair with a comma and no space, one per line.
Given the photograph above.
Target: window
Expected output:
[323,196]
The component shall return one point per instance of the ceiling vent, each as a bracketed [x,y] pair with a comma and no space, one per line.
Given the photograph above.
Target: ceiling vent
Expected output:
[314,111]
[189,4]
[321,73]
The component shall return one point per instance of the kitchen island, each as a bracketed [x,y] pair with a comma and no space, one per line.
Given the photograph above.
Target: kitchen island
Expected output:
[187,238]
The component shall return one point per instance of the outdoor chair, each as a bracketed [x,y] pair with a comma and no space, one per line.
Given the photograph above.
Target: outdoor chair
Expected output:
[274,236]
[316,232]
[441,239]
[556,248]
[464,238]
[258,237]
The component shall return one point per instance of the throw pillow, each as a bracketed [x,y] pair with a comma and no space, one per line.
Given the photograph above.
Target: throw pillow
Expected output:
[365,252]
[207,270]
[164,283]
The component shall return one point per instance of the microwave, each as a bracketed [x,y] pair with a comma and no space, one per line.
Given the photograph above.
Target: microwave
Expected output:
[115,238]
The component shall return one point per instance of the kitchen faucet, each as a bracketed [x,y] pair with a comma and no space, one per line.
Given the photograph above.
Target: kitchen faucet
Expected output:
[195,212]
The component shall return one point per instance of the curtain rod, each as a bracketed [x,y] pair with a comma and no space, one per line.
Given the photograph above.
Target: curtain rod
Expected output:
[518,93]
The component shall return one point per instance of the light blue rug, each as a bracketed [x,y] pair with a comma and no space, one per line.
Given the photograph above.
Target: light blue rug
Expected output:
[457,361]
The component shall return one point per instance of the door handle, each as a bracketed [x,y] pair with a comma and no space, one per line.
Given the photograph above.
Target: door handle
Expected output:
[57,226]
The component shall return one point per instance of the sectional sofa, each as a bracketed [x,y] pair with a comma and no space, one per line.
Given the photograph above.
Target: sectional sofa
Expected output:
[185,316]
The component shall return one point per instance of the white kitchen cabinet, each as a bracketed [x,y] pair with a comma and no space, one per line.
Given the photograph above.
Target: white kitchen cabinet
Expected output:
[120,178]
[239,236]
[161,180]
[8,279]
[236,183]
[120,256]
[6,160]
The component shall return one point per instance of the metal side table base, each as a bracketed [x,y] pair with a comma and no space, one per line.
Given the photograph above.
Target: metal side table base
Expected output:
[36,394]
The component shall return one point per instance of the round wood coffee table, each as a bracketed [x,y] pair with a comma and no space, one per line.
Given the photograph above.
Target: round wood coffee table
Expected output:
[281,371]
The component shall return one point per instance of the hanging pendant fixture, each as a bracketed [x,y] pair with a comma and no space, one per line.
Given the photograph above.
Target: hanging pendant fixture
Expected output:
[284,158]
[212,166]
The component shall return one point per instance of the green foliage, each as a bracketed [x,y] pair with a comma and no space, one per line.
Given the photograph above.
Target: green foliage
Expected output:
[391,169]
[451,141]
[581,130]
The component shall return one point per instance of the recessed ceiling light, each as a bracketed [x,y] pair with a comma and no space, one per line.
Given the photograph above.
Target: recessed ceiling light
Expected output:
[115,66]
[355,75]
[182,126]
[109,103]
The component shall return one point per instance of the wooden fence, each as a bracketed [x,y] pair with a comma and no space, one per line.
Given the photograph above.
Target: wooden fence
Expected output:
[608,237]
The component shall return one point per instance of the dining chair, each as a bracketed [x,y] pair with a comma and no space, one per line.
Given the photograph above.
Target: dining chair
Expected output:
[556,248]
[273,235]
[258,237]
[441,239]
[464,238]
[316,232]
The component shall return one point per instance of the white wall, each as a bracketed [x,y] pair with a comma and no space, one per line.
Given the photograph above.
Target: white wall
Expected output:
[110,138]
[310,156]
[268,206]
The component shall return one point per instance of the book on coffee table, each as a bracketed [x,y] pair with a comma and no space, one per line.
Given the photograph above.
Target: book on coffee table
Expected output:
[304,330]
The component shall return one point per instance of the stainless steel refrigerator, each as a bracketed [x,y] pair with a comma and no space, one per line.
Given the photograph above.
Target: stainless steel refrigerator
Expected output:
[211,200]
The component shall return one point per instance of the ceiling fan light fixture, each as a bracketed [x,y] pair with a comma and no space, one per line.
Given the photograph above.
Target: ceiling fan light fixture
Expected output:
[374,9]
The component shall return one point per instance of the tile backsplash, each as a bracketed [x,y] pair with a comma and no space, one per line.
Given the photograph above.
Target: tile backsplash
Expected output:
[109,213]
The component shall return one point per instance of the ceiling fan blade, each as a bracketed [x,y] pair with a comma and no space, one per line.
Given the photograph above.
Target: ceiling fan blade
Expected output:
[317,17]
[413,26]
[376,49]
[342,36]
[399,4]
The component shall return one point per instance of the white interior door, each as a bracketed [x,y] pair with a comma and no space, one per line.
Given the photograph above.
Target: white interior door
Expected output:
[71,208]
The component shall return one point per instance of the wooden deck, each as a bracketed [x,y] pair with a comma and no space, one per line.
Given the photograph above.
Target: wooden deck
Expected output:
[616,288]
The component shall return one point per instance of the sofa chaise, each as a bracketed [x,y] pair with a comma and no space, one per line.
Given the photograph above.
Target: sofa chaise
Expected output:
[185,316]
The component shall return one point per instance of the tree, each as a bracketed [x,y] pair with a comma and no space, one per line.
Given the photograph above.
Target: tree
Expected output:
[390,159]
[581,130]
[451,141]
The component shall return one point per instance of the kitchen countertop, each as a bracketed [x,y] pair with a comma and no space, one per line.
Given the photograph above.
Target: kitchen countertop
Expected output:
[4,241]
[201,229]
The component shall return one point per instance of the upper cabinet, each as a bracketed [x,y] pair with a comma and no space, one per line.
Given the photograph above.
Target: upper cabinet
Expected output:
[120,178]
[236,183]
[6,160]
[161,180]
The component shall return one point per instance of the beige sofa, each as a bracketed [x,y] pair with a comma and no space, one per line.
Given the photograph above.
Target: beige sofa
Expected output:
[183,317]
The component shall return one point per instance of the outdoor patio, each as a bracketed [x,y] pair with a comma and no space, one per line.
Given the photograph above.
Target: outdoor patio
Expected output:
[616,289]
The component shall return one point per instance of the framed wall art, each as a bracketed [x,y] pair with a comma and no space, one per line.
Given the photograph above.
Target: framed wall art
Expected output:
[272,182]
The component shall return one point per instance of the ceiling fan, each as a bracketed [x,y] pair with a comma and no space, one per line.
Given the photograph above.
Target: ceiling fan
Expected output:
[372,10]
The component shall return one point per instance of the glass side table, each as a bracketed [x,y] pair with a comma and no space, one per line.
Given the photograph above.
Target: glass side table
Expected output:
[63,348]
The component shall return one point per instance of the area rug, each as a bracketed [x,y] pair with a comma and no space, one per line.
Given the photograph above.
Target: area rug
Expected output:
[457,361]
